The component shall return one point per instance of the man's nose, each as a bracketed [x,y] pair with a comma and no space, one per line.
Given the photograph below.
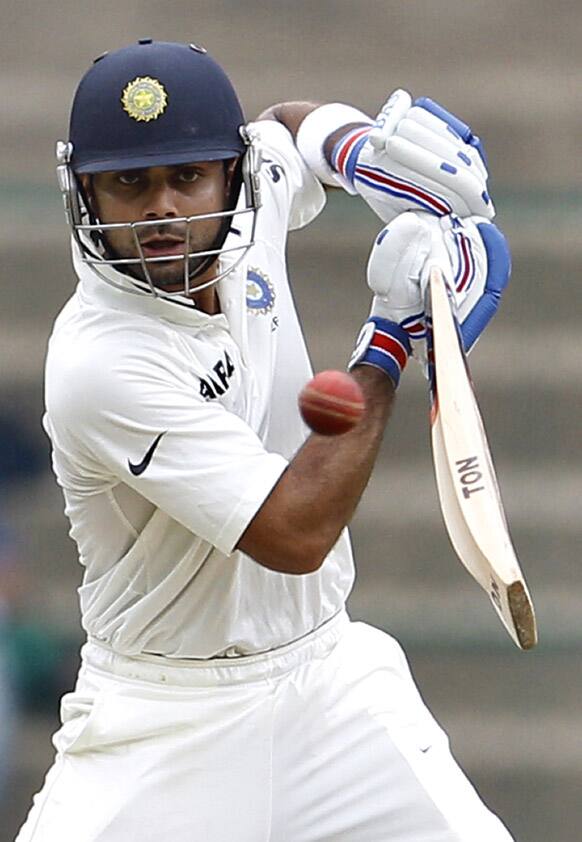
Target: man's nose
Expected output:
[161,203]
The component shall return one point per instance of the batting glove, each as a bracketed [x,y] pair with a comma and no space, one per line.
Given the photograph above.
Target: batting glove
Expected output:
[417,156]
[475,259]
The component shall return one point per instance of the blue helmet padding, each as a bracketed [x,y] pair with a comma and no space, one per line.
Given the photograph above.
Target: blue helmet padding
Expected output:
[200,122]
[498,273]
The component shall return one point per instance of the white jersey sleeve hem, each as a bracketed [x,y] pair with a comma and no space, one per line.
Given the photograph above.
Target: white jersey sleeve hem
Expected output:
[306,197]
[249,504]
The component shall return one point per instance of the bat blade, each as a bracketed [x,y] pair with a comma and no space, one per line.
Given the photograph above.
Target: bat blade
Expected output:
[467,485]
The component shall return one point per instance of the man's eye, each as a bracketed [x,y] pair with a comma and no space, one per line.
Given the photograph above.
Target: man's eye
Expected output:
[128,178]
[188,175]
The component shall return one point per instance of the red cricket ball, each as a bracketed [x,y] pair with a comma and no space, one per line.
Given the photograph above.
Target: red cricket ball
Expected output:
[331,403]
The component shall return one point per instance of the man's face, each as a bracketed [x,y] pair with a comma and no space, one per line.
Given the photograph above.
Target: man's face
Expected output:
[163,193]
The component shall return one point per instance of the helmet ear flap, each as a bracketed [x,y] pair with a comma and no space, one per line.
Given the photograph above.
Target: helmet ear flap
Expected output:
[250,165]
[85,191]
[76,199]
[68,183]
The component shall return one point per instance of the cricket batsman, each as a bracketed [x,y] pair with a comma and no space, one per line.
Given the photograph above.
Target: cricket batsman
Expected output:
[224,695]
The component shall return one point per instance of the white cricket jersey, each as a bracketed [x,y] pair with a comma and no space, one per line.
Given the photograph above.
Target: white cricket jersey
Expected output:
[169,429]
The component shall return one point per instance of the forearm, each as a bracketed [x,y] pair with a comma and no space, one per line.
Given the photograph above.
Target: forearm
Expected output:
[317,495]
[290,114]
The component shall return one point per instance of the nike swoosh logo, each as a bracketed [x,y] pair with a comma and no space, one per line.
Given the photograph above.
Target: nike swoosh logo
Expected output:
[138,469]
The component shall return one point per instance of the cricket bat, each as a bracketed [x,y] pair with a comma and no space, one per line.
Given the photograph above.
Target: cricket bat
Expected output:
[466,481]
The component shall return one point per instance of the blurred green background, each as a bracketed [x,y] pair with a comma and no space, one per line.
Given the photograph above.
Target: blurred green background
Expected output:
[511,68]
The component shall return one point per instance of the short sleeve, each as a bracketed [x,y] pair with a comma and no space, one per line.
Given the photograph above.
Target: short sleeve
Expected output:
[304,197]
[136,421]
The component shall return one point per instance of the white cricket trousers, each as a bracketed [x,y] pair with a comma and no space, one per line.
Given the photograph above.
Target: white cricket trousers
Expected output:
[324,740]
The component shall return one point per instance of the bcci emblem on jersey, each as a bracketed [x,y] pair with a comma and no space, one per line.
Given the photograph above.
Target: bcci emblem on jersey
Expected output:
[260,292]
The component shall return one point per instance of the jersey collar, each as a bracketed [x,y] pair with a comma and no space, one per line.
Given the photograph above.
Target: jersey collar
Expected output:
[114,291]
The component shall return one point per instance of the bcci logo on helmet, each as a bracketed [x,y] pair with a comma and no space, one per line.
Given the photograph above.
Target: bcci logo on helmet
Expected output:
[144,99]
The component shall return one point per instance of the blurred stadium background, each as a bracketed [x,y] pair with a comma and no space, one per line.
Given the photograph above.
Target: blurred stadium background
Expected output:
[513,69]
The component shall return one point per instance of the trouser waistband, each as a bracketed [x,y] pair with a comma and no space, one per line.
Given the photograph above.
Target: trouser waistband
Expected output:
[200,673]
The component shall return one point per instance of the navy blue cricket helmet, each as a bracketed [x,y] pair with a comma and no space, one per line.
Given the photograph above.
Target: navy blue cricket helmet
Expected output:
[151,104]
[154,102]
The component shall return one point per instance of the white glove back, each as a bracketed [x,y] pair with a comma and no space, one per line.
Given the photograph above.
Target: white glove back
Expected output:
[417,157]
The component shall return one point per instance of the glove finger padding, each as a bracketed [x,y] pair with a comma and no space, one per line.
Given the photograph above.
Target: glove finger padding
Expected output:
[394,274]
[450,158]
[459,190]
[458,250]
[426,137]
[395,266]
[460,128]
[473,255]
[438,127]
[389,116]
[416,158]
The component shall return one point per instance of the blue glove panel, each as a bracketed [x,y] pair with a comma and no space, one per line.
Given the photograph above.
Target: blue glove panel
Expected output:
[457,125]
[498,272]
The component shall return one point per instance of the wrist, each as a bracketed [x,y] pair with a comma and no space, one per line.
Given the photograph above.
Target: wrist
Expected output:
[377,386]
[313,133]
[344,155]
[384,345]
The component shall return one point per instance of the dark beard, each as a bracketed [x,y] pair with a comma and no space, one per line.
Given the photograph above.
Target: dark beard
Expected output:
[196,265]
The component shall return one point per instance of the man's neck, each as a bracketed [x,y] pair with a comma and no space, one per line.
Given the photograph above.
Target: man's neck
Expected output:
[207,300]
